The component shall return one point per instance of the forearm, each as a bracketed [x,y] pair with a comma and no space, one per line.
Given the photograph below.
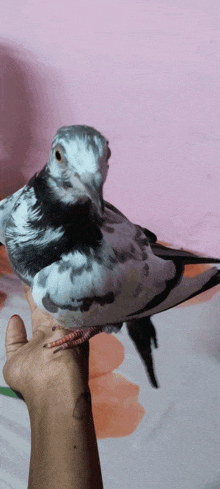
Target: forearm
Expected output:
[64,451]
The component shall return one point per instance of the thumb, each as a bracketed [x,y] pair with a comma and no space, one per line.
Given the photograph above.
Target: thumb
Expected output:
[16,335]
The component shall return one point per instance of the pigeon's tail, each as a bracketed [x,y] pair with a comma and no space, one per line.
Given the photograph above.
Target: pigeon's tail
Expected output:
[184,257]
[143,334]
[142,331]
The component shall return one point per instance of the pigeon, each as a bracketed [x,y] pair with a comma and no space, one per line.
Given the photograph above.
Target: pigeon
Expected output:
[86,263]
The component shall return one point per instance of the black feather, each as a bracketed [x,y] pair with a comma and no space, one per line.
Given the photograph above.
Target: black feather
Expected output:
[143,334]
[80,223]
[185,257]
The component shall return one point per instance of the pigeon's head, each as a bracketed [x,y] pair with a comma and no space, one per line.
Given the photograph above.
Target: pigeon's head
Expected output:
[78,164]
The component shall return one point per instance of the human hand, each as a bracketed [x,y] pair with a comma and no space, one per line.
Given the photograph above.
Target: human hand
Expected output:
[35,371]
[55,388]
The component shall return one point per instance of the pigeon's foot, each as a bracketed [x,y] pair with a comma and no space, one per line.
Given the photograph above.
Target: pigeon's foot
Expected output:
[75,338]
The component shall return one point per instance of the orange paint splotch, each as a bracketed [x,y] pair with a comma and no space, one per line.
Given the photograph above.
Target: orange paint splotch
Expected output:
[5,268]
[3,196]
[115,406]
[193,270]
[2,299]
[106,353]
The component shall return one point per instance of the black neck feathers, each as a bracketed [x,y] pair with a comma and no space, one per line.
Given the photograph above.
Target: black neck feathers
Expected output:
[80,222]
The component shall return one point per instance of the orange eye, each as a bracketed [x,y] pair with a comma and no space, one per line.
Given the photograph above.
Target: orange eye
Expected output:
[58,156]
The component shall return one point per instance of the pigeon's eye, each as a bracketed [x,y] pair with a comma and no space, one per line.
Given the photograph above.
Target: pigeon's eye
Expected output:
[58,156]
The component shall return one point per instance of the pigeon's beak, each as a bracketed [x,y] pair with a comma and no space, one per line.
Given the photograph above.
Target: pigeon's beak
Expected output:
[97,199]
[90,190]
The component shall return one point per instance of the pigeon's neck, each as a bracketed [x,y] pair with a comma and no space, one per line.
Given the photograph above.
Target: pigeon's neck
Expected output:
[80,222]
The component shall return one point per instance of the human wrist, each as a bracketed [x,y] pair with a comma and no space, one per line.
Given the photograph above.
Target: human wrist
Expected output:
[68,453]
[59,378]
[59,397]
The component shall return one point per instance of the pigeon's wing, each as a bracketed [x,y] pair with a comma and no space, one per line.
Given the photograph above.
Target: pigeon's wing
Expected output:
[74,291]
[182,256]
[186,288]
[6,207]
[152,238]
[114,209]
[104,285]
[165,252]
[143,334]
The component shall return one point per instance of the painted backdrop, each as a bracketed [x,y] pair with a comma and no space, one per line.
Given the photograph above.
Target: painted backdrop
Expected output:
[145,74]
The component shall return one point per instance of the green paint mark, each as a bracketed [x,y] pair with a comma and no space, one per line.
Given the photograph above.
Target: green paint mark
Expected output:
[6,391]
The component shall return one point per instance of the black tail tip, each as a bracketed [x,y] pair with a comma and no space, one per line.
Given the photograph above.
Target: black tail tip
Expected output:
[153,381]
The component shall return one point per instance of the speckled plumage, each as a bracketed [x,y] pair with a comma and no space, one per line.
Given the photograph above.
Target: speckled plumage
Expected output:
[86,263]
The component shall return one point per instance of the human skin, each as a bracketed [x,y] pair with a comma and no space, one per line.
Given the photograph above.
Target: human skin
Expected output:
[55,388]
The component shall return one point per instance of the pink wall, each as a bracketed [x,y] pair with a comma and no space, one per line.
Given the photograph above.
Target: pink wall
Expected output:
[146,74]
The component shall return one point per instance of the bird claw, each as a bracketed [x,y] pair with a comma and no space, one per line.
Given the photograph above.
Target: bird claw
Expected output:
[74,338]
[62,347]
[56,326]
